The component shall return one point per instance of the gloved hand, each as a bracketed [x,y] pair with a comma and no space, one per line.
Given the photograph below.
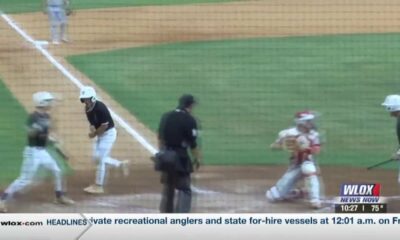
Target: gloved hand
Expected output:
[290,144]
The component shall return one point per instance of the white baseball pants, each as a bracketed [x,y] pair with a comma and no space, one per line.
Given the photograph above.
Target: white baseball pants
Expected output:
[35,158]
[307,171]
[58,22]
[101,154]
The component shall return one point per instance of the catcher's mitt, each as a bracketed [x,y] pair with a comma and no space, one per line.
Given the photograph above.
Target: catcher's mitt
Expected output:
[290,144]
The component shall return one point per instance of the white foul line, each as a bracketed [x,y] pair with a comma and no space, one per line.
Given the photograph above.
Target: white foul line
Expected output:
[135,134]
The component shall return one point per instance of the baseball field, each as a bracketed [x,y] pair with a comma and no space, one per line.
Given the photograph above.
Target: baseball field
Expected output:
[252,64]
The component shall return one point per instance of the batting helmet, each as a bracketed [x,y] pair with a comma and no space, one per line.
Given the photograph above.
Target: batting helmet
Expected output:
[87,92]
[42,99]
[392,103]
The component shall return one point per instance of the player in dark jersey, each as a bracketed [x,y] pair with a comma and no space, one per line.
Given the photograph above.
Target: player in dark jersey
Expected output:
[103,131]
[35,154]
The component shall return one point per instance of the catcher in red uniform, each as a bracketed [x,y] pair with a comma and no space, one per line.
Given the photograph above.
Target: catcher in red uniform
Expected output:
[303,143]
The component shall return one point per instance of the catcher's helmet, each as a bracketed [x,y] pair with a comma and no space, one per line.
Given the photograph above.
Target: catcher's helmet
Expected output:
[87,92]
[392,103]
[42,99]
[302,117]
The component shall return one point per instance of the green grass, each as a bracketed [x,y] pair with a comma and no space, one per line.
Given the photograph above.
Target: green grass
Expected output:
[250,89]
[12,134]
[20,6]
[13,138]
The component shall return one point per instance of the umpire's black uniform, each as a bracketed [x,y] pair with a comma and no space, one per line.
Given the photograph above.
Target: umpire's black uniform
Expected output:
[178,132]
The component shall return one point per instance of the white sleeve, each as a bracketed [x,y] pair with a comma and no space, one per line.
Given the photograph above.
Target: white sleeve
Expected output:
[281,135]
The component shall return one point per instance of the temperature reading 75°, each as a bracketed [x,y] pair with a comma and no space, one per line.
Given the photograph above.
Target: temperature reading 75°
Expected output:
[376,208]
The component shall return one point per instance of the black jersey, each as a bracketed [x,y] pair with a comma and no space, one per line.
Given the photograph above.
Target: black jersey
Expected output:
[38,129]
[99,115]
[178,129]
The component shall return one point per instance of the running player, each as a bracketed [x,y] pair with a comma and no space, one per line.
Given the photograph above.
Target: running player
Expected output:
[35,154]
[103,131]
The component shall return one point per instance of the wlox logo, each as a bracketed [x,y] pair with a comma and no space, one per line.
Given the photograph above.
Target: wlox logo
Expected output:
[360,190]
[360,193]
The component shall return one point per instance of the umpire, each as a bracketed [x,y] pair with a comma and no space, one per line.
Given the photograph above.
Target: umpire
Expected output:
[178,133]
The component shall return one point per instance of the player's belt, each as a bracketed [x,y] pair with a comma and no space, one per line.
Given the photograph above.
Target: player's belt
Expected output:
[109,128]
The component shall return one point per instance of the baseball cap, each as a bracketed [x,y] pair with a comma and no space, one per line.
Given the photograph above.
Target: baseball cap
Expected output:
[186,100]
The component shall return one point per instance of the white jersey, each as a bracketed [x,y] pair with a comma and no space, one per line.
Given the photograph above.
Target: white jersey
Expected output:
[312,136]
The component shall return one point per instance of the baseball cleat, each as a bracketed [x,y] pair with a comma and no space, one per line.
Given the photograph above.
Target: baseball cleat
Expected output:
[56,42]
[63,200]
[125,168]
[65,40]
[3,207]
[94,189]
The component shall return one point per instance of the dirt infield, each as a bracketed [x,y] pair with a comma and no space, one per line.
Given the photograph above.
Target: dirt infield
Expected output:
[221,189]
[228,190]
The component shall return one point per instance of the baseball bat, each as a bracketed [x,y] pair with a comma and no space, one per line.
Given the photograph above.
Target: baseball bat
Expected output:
[380,164]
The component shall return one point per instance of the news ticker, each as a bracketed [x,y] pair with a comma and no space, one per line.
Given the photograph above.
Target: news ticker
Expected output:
[195,226]
[360,198]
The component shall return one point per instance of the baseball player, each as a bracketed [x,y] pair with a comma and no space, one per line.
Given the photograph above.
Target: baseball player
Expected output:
[303,143]
[103,131]
[392,105]
[58,11]
[35,155]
